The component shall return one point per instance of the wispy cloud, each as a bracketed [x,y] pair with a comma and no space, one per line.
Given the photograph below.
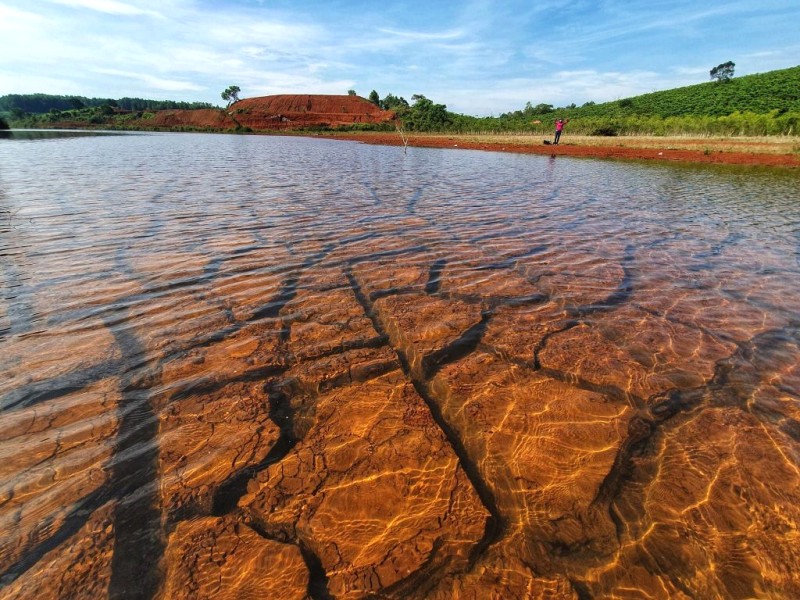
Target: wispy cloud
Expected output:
[159,83]
[417,36]
[111,7]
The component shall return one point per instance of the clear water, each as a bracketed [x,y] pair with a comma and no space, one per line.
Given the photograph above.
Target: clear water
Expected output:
[609,352]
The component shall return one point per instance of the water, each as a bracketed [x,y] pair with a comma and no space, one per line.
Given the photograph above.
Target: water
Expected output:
[236,366]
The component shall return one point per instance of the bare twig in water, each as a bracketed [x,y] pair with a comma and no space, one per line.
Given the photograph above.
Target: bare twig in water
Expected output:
[8,215]
[403,137]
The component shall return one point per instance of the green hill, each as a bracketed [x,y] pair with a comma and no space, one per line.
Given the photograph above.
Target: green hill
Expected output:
[761,104]
[761,93]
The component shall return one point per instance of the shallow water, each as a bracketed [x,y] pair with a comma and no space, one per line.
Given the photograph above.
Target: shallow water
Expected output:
[236,366]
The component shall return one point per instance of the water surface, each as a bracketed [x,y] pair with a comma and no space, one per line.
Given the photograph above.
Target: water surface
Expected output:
[243,366]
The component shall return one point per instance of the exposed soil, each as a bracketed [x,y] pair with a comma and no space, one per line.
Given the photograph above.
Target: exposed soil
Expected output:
[751,151]
[280,112]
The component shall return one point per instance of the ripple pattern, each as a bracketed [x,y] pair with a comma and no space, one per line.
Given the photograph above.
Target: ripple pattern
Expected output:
[248,367]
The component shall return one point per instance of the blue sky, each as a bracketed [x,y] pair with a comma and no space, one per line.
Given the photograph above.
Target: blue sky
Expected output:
[478,57]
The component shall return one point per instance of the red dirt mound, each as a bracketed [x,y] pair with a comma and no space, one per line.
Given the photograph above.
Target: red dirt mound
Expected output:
[285,111]
[200,118]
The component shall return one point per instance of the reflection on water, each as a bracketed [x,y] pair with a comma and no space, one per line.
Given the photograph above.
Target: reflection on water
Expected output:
[52,134]
[276,367]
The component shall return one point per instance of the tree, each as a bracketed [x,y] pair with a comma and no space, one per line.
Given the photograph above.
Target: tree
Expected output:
[722,72]
[374,98]
[351,93]
[392,102]
[424,115]
[231,94]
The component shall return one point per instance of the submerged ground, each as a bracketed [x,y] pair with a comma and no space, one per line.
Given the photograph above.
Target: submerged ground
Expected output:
[299,368]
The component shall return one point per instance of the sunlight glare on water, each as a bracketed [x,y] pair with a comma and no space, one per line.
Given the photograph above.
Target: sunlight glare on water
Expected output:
[311,367]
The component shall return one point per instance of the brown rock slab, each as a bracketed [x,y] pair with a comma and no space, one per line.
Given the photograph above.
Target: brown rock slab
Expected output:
[578,275]
[406,273]
[472,278]
[712,512]
[326,322]
[255,348]
[58,351]
[636,352]
[543,447]
[218,558]
[79,569]
[517,332]
[373,490]
[206,438]
[500,574]
[176,321]
[54,455]
[422,326]
[336,370]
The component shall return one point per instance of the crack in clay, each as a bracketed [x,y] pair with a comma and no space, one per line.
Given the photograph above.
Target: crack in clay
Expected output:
[434,276]
[495,524]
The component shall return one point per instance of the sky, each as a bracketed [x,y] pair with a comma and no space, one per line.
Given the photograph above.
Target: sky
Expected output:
[478,57]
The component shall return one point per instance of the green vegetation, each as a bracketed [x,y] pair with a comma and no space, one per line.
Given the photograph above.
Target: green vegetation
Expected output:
[754,105]
[231,94]
[3,123]
[42,103]
[104,114]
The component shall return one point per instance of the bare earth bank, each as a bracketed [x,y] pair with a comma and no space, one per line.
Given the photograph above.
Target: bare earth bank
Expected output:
[765,151]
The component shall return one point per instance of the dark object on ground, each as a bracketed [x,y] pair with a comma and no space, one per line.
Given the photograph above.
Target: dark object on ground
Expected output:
[547,143]
[606,131]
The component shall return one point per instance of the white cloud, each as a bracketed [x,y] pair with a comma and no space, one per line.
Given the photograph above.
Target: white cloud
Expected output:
[159,83]
[417,36]
[111,7]
[27,83]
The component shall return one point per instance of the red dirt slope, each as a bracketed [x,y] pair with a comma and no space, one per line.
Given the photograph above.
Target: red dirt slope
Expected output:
[286,111]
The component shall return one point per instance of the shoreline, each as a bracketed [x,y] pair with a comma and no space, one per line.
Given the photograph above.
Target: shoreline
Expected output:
[768,152]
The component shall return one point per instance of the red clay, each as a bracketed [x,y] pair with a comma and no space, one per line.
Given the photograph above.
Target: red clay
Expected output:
[614,152]
[280,112]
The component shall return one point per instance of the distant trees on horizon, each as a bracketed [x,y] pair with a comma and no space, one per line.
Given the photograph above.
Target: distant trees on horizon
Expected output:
[42,103]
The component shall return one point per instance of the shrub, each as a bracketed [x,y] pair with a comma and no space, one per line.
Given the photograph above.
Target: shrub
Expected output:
[606,131]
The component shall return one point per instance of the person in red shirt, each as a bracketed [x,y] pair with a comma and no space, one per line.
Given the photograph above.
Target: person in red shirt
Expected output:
[559,127]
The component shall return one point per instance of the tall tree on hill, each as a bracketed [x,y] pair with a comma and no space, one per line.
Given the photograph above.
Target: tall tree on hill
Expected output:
[374,98]
[231,94]
[723,72]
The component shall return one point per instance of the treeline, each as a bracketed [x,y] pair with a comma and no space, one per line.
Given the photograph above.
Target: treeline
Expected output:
[20,104]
